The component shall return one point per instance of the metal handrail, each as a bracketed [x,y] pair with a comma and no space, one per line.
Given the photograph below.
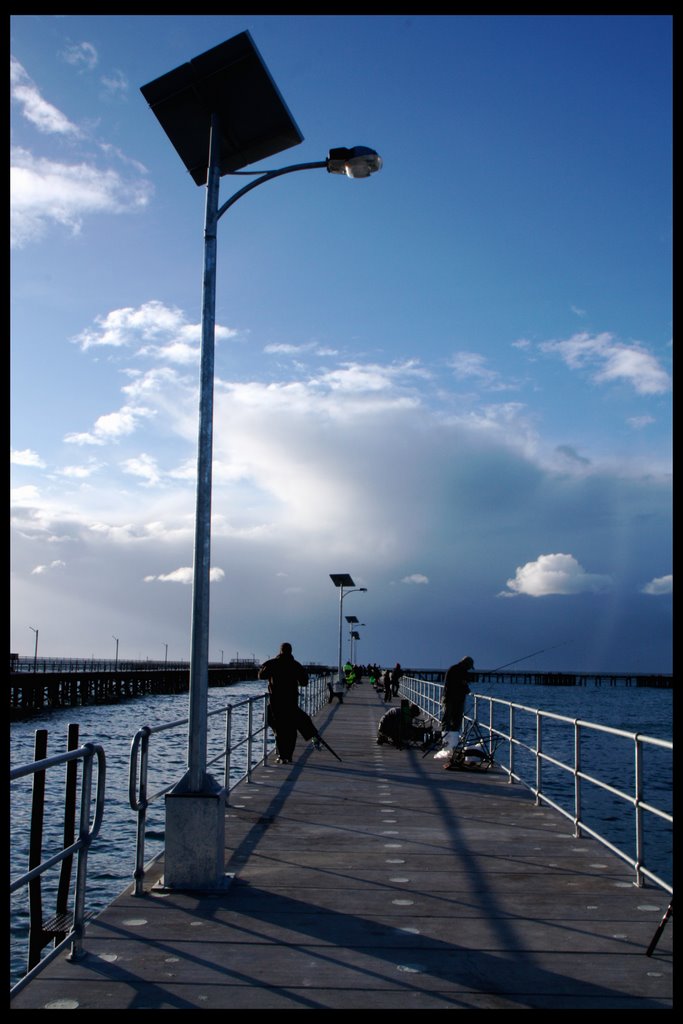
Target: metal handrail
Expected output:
[427,696]
[312,697]
[88,831]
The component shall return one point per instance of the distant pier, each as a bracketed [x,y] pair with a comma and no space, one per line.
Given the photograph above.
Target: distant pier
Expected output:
[55,683]
[58,683]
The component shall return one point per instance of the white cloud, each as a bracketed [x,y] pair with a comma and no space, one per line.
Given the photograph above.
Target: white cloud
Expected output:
[115,84]
[555,574]
[40,569]
[42,115]
[26,458]
[610,360]
[161,331]
[81,472]
[639,422]
[44,192]
[80,55]
[659,585]
[474,366]
[144,466]
[416,577]
[185,576]
[112,426]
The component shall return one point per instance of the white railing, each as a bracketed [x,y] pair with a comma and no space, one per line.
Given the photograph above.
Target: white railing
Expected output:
[561,759]
[89,827]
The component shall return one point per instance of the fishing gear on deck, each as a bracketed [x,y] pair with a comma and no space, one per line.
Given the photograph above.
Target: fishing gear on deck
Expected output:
[660,928]
[308,730]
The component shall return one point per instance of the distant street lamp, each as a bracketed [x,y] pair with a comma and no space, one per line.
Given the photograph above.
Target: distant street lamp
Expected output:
[116,660]
[35,653]
[342,580]
[221,111]
[352,620]
[165,654]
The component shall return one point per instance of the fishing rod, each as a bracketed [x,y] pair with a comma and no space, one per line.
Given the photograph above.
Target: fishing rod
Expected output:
[517,660]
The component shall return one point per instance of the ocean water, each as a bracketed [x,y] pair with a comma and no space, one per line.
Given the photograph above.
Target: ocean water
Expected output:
[111,860]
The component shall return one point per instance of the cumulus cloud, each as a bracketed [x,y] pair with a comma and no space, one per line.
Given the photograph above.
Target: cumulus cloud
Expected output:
[555,574]
[153,329]
[416,577]
[611,360]
[112,426]
[26,458]
[659,585]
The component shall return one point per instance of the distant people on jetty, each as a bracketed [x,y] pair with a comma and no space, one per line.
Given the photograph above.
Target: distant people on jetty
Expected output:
[396,677]
[285,675]
[456,687]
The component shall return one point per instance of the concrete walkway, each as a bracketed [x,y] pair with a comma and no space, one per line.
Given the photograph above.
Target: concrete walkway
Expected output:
[382,882]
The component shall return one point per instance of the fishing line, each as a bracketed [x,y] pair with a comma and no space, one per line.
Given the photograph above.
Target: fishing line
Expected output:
[517,660]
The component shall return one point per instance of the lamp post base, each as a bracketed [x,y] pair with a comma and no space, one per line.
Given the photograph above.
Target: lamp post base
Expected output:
[194,857]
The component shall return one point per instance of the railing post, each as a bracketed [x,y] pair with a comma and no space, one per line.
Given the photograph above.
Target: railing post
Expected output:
[265,726]
[249,738]
[82,863]
[577,780]
[140,804]
[69,820]
[511,755]
[539,759]
[36,937]
[228,747]
[638,811]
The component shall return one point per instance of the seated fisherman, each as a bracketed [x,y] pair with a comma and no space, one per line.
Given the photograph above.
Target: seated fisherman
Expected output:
[396,726]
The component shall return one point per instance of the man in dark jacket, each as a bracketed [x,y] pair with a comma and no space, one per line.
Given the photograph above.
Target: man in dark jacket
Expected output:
[456,688]
[285,676]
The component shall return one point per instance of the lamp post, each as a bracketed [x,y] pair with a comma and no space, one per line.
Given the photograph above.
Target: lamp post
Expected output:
[116,659]
[224,104]
[35,653]
[342,580]
[352,620]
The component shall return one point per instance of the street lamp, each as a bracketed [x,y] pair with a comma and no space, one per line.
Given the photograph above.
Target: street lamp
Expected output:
[342,580]
[35,653]
[352,620]
[221,111]
[116,661]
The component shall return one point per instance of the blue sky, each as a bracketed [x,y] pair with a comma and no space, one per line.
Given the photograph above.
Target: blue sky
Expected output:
[451,380]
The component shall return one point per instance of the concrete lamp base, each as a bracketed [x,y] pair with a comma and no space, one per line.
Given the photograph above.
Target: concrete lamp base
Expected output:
[195,838]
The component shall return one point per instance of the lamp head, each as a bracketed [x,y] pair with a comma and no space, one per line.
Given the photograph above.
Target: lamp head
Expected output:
[358,162]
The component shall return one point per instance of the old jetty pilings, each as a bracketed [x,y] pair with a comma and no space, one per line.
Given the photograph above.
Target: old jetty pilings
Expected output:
[58,683]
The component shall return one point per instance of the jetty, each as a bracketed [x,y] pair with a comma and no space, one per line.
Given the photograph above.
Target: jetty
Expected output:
[379,882]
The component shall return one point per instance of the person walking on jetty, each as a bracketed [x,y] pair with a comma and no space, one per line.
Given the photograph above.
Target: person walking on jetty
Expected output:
[386,680]
[456,687]
[285,675]
[396,677]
